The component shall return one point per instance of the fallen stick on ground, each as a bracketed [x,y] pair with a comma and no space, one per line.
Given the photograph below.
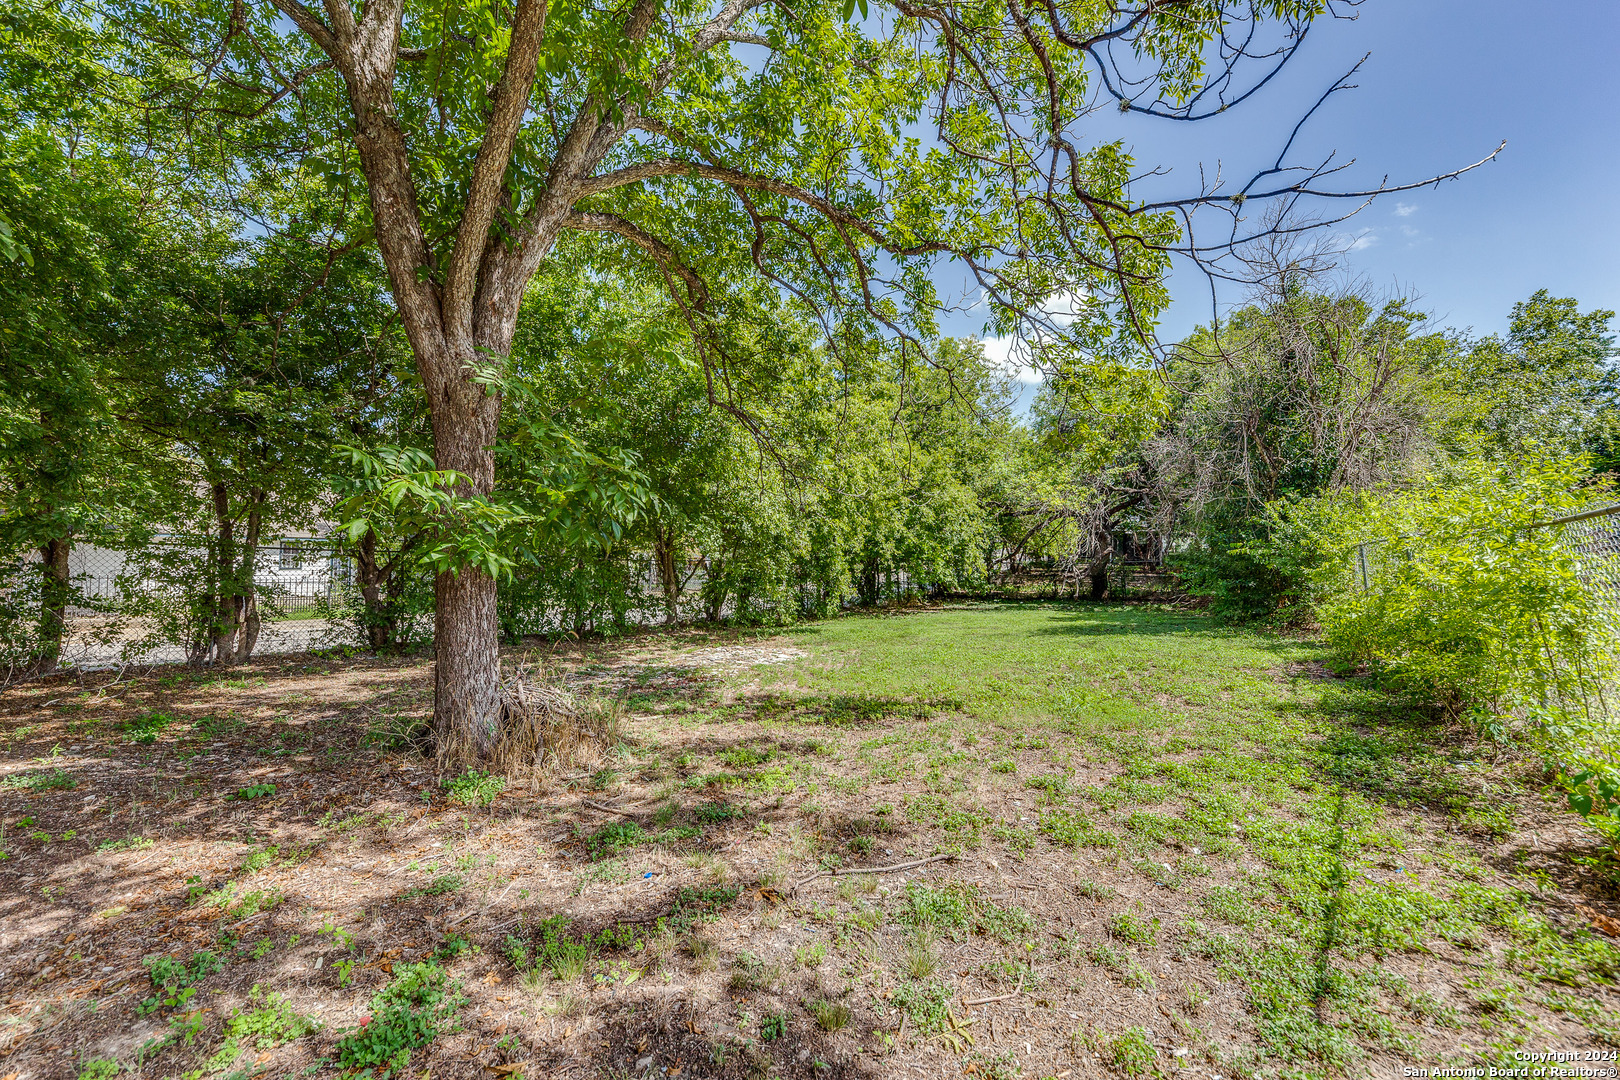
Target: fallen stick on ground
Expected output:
[869,869]
[607,809]
[987,1000]
[999,997]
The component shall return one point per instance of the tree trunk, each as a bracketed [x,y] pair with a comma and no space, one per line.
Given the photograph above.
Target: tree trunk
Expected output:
[53,597]
[247,597]
[668,577]
[466,626]
[379,623]
[714,592]
[1099,582]
[222,605]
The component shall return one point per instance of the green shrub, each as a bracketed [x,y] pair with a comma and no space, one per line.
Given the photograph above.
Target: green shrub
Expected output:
[1445,592]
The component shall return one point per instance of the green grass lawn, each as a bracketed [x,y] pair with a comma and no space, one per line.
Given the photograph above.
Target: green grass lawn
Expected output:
[1326,842]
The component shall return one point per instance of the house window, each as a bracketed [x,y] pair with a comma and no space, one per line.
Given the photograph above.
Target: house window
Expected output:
[290,557]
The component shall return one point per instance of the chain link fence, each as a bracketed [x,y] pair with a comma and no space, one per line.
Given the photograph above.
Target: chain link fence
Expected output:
[149,603]
[1594,539]
[1585,544]
[1591,538]
[158,602]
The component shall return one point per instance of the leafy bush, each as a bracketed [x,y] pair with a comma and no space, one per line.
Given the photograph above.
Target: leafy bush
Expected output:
[1446,592]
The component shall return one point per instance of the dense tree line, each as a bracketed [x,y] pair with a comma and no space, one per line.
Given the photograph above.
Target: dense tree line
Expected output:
[527,298]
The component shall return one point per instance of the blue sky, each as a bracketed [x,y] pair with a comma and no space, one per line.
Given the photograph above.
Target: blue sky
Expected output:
[1446,81]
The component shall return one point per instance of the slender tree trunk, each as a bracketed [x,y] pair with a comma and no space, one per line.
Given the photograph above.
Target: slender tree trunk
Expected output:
[1099,581]
[714,592]
[664,556]
[54,587]
[247,597]
[223,600]
[379,623]
[1097,570]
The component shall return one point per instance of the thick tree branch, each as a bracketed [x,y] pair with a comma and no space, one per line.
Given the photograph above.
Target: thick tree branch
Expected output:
[310,23]
[510,101]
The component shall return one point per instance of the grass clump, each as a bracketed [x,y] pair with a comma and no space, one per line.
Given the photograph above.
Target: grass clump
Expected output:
[256,791]
[936,810]
[49,780]
[1131,1053]
[921,957]
[829,1015]
[743,757]
[958,907]
[273,855]
[749,973]
[614,837]
[409,1013]
[268,1022]
[716,812]
[1134,929]
[555,948]
[1071,828]
[237,901]
[146,727]
[441,885]
[694,907]
[128,843]
[1122,964]
[474,788]
[927,1004]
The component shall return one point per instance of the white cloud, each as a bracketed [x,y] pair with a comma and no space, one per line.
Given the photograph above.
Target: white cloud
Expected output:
[1012,356]
[1064,307]
[1365,239]
[1405,209]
